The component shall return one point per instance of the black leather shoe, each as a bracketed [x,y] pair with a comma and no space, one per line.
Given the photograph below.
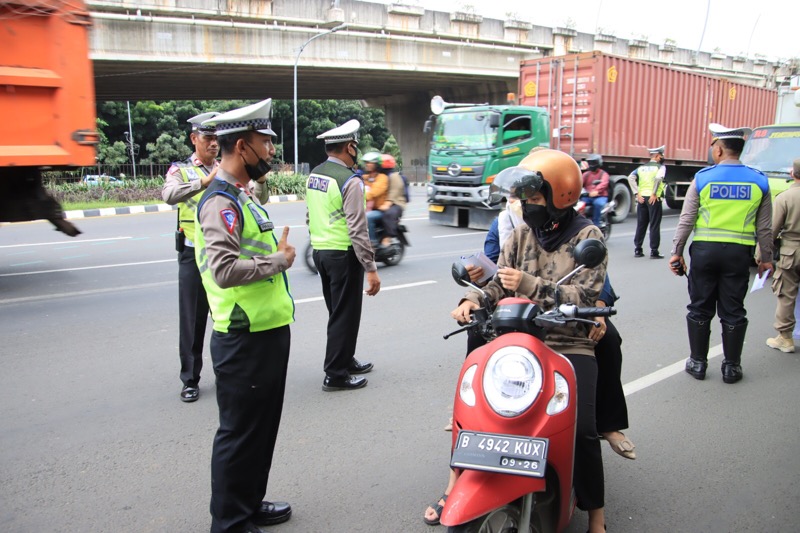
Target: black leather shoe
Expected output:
[189,394]
[272,513]
[731,372]
[656,255]
[696,369]
[359,368]
[351,383]
[638,253]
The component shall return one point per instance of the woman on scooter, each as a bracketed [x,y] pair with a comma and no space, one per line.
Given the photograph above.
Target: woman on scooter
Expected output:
[538,254]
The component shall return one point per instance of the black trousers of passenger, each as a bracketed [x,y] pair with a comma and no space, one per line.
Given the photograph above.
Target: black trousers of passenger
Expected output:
[719,273]
[612,409]
[648,215]
[192,316]
[342,279]
[251,379]
[391,219]
[587,479]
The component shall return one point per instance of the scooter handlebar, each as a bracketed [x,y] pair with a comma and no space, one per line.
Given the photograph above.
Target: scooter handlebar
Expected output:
[573,311]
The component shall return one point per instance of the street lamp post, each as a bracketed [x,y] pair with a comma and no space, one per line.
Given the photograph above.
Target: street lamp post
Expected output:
[296,60]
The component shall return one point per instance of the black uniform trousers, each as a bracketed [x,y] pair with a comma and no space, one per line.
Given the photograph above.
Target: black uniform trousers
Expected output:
[648,215]
[719,273]
[193,317]
[251,379]
[342,279]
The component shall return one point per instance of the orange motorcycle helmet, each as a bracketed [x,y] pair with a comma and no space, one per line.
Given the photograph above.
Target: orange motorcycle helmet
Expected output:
[561,172]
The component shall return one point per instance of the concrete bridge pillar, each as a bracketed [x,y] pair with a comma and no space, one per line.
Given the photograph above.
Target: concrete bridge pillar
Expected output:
[406,115]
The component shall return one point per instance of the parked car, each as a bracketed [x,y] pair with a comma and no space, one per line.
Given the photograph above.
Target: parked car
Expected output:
[95,179]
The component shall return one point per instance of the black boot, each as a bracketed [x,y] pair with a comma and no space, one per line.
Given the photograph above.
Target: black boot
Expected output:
[699,334]
[732,344]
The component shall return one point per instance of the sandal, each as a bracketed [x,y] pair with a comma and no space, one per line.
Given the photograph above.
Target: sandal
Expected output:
[437,508]
[449,426]
[623,446]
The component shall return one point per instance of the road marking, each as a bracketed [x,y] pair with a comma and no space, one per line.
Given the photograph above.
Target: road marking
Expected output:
[383,289]
[85,268]
[63,242]
[26,264]
[480,234]
[667,372]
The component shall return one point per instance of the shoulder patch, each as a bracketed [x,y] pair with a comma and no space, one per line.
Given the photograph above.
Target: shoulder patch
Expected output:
[229,217]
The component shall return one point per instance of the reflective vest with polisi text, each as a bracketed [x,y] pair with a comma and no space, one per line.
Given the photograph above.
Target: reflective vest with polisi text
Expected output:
[647,179]
[729,199]
[187,208]
[256,306]
[326,219]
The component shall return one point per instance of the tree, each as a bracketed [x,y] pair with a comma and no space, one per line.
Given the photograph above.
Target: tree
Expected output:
[166,149]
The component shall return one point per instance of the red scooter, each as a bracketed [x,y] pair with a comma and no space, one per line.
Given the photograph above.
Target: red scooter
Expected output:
[514,416]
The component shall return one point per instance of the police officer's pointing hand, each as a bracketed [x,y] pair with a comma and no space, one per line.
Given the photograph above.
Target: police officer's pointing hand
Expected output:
[287,249]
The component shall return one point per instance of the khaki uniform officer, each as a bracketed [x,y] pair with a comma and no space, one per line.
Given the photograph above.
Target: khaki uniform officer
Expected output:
[243,267]
[729,208]
[184,186]
[337,224]
[647,183]
[786,226]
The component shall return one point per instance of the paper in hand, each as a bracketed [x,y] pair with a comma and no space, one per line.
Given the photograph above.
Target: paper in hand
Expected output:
[760,281]
[479,259]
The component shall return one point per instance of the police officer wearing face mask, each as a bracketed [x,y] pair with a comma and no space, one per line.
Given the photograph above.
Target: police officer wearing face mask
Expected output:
[337,225]
[243,265]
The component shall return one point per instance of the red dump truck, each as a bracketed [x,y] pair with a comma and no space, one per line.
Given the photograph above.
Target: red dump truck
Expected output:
[618,107]
[46,101]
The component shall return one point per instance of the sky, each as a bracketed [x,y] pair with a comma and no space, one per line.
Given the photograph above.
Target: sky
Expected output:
[747,27]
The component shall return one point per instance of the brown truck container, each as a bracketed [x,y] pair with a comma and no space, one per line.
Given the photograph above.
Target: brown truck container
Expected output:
[618,107]
[46,101]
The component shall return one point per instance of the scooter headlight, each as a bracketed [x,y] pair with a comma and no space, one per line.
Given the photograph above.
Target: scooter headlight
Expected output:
[560,399]
[512,380]
[466,391]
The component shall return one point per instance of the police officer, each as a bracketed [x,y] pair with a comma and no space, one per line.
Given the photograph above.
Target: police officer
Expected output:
[184,185]
[337,224]
[243,266]
[647,183]
[786,226]
[729,208]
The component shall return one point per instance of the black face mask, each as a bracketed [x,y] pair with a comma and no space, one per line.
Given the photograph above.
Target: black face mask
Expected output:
[260,168]
[535,216]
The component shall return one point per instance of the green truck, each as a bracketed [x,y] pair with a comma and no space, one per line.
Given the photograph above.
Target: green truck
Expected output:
[470,145]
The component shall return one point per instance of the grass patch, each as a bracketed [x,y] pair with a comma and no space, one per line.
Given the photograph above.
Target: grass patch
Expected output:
[81,206]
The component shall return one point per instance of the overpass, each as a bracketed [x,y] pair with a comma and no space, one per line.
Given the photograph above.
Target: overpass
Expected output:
[392,56]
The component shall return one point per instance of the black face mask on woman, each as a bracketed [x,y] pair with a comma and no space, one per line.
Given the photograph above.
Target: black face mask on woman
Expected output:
[254,172]
[535,216]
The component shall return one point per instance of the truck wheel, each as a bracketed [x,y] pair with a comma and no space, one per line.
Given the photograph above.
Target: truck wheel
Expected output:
[672,203]
[621,195]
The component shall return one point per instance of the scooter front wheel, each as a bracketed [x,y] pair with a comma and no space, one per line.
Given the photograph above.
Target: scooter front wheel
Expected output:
[503,520]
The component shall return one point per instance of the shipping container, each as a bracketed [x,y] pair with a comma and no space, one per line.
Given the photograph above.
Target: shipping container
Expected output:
[620,107]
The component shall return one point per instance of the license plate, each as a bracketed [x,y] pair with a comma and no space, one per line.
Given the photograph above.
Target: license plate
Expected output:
[507,454]
[436,208]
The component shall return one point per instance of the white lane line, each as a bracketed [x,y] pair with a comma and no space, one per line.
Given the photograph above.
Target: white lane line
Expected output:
[86,268]
[64,242]
[383,289]
[91,292]
[479,234]
[667,372]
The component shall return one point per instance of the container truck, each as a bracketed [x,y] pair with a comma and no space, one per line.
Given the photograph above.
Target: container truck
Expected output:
[589,103]
[46,101]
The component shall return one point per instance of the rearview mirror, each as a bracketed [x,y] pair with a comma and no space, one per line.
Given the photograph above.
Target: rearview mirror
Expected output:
[460,274]
[427,127]
[590,252]
[494,120]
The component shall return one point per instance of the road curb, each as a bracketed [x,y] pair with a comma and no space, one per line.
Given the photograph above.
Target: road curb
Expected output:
[154,208]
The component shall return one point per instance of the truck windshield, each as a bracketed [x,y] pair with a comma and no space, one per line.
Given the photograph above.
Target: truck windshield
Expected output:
[469,131]
[772,149]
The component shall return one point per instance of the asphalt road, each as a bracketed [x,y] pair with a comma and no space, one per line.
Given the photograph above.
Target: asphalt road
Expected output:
[93,436]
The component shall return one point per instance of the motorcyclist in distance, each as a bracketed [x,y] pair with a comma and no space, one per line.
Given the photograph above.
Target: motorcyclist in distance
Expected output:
[395,203]
[596,194]
[376,185]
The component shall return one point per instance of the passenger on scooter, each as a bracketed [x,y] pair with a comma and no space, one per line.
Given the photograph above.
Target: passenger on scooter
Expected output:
[376,189]
[548,182]
[392,209]
[596,194]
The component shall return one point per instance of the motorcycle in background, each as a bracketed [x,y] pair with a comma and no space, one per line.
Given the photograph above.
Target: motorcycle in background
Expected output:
[514,415]
[389,255]
[607,213]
